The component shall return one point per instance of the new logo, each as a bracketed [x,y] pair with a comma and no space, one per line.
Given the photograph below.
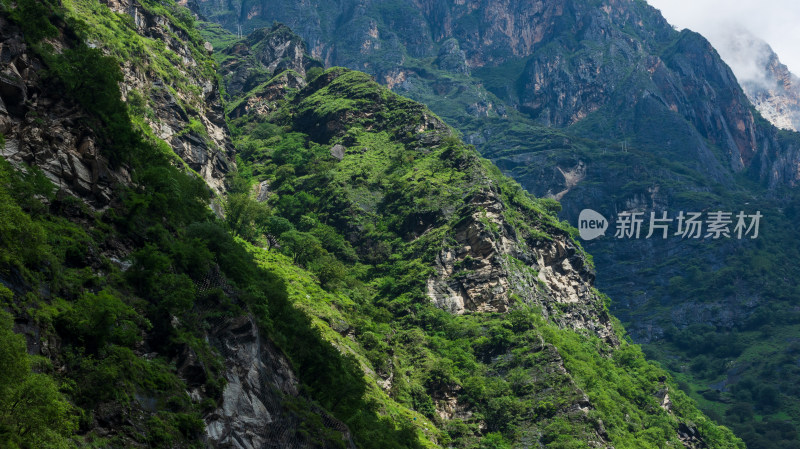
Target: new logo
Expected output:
[591,224]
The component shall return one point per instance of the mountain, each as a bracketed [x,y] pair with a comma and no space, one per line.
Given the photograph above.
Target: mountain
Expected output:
[557,64]
[768,83]
[604,105]
[779,103]
[358,278]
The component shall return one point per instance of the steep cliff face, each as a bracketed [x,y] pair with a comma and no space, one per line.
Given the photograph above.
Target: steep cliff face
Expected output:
[778,98]
[260,389]
[42,128]
[169,382]
[187,113]
[767,82]
[182,103]
[260,56]
[263,69]
[489,265]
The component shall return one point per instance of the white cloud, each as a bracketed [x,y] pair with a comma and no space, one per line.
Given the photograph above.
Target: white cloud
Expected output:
[726,23]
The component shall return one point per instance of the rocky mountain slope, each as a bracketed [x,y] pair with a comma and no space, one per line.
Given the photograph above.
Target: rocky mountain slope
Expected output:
[374,282]
[556,63]
[768,83]
[780,103]
[109,312]
[468,245]
[604,105]
[171,82]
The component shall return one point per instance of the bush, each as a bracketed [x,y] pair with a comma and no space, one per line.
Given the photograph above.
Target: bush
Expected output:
[97,319]
[302,247]
[34,18]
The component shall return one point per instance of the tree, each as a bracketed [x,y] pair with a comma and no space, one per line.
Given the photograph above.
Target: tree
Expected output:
[245,216]
[302,247]
[33,413]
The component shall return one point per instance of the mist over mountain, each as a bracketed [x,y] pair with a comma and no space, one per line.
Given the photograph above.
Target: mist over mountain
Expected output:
[770,86]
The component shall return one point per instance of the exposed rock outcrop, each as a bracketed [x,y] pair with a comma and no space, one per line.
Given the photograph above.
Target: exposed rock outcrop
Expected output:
[263,54]
[189,116]
[43,128]
[254,412]
[768,83]
[451,58]
[489,265]
[778,98]
[262,99]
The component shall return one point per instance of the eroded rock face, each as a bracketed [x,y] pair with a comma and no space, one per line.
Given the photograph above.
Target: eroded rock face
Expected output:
[265,67]
[767,82]
[42,128]
[254,411]
[260,381]
[262,100]
[489,265]
[207,148]
[779,102]
[264,54]
[452,58]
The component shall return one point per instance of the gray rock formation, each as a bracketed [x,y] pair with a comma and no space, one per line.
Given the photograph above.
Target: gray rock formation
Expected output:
[488,266]
[451,58]
[768,83]
[263,54]
[777,98]
[262,98]
[42,128]
[337,151]
[260,382]
[189,117]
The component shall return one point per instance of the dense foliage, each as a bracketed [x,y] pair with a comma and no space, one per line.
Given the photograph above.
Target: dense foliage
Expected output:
[113,328]
[719,315]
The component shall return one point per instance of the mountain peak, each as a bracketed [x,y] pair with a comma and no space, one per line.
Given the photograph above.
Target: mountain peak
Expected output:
[768,83]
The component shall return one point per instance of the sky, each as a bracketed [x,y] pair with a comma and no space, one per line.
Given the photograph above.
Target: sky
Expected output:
[728,25]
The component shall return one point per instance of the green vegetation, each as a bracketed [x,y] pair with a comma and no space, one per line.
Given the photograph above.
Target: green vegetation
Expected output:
[389,208]
[217,36]
[333,266]
[33,412]
[736,299]
[98,331]
[63,287]
[60,277]
[743,292]
[741,372]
